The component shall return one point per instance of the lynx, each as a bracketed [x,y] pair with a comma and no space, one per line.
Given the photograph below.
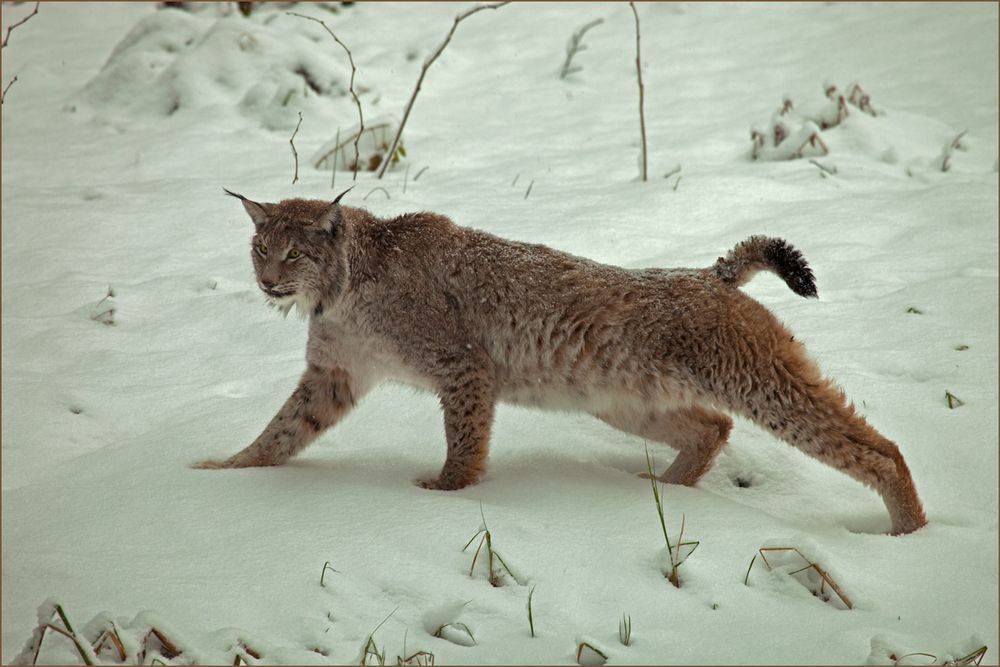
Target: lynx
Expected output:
[663,354]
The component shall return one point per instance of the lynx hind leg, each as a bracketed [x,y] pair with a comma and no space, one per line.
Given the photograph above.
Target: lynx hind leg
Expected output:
[696,433]
[790,398]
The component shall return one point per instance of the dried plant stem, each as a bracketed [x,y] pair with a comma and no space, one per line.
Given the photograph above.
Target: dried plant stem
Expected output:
[19,23]
[357,102]
[377,189]
[295,153]
[574,46]
[638,72]
[420,172]
[423,71]
[3,96]
[531,619]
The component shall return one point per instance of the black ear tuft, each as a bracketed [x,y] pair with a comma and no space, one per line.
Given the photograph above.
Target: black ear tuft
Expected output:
[257,212]
[337,200]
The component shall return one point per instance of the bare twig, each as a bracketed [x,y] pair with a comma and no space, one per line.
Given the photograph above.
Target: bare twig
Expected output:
[3,96]
[528,191]
[336,156]
[574,46]
[824,168]
[677,182]
[423,71]
[350,58]
[21,22]
[638,71]
[420,172]
[295,152]
[374,190]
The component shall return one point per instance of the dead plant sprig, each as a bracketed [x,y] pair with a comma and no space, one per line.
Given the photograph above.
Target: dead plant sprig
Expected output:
[350,87]
[638,73]
[420,79]
[574,46]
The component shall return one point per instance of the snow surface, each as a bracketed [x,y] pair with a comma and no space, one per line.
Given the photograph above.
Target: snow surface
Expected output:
[115,150]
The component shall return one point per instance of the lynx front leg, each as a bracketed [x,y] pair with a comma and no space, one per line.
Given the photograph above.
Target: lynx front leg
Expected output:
[468,402]
[322,398]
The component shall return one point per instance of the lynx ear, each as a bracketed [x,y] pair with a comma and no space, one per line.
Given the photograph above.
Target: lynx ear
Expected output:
[257,212]
[332,216]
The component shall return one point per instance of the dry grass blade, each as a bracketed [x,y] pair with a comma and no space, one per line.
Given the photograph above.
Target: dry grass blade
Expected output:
[531,619]
[421,658]
[375,189]
[439,633]
[111,634]
[585,645]
[326,566]
[825,577]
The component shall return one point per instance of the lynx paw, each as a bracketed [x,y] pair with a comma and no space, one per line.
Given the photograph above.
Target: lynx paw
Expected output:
[211,465]
[444,484]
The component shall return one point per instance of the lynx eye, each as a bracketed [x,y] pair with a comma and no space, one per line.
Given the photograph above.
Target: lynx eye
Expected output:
[262,248]
[294,254]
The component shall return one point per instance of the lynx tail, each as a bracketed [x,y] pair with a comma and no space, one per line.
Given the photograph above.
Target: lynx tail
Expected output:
[762,253]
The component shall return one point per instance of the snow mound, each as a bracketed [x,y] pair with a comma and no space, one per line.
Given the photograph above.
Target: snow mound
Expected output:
[846,124]
[176,62]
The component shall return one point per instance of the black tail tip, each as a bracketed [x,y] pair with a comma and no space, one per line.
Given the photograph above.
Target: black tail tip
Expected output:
[792,267]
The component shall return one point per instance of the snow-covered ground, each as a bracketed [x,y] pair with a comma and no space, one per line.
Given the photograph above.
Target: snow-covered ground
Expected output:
[125,123]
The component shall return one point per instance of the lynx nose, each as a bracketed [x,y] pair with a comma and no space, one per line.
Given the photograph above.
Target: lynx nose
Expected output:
[266,284]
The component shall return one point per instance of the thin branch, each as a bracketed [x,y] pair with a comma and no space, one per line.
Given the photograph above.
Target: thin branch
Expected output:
[295,152]
[420,172]
[574,46]
[21,22]
[423,71]
[350,58]
[3,95]
[528,191]
[823,168]
[638,71]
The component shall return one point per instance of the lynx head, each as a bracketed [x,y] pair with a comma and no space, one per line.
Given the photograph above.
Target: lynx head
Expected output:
[298,252]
